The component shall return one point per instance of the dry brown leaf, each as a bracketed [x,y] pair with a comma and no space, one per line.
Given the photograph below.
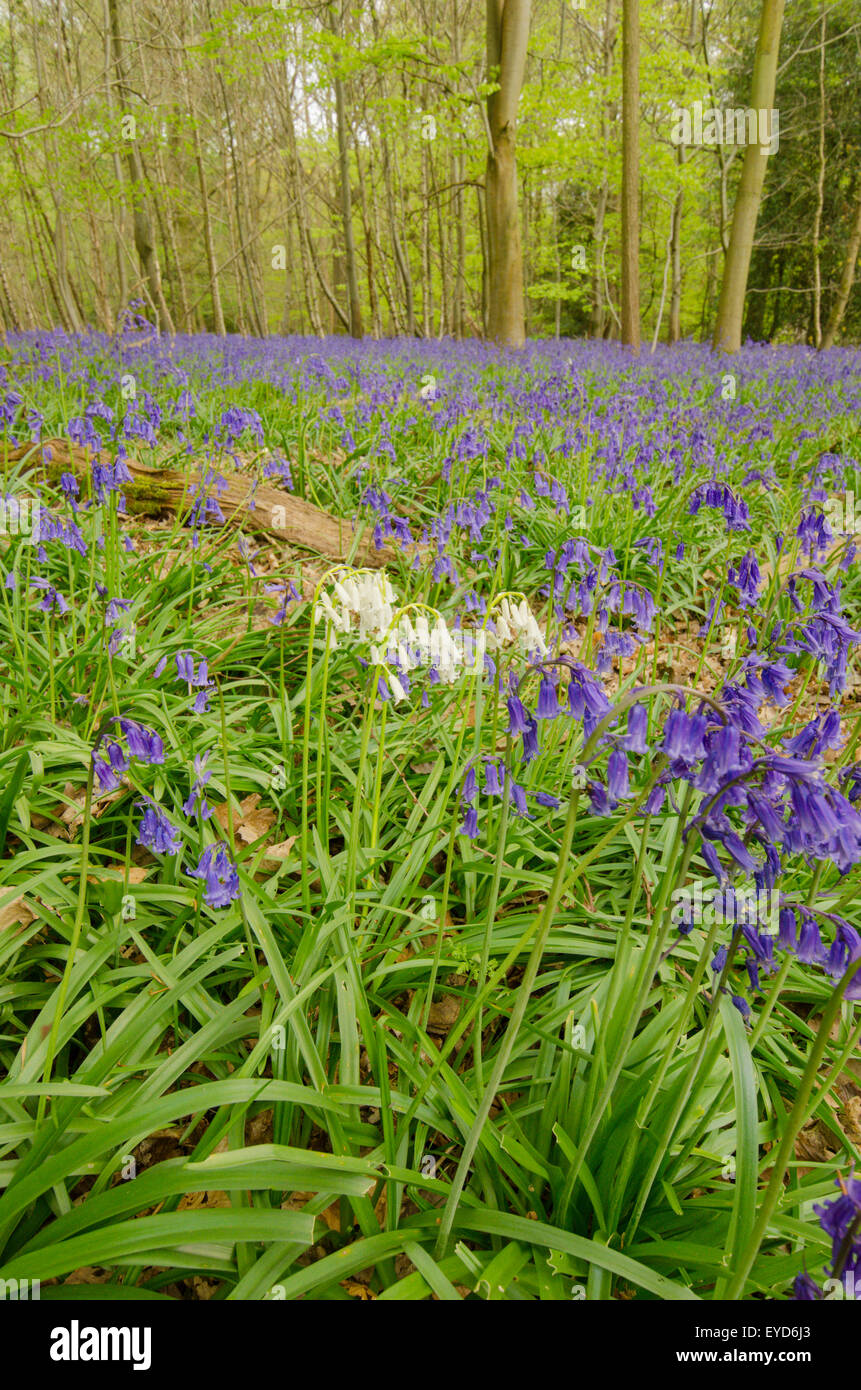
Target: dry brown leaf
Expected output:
[192,1201]
[252,822]
[16,914]
[443,1015]
[274,856]
[136,874]
[88,1274]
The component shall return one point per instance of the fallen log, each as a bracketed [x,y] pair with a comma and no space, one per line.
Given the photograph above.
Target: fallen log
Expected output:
[243,501]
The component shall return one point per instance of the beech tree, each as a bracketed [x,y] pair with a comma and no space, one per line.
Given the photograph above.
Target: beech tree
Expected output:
[507,37]
[730,315]
[630,248]
[425,167]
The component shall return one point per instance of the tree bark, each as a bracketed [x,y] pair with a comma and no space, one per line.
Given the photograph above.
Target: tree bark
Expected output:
[144,237]
[844,289]
[507,38]
[674,331]
[630,249]
[820,195]
[730,315]
[354,303]
[68,308]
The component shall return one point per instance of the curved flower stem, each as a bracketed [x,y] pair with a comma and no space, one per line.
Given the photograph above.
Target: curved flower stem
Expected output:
[650,961]
[795,1120]
[306,740]
[449,862]
[685,1089]
[355,827]
[500,839]
[74,940]
[759,1028]
[599,1067]
[506,1046]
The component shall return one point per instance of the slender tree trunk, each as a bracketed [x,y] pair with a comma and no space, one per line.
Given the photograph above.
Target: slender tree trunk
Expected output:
[296,176]
[820,194]
[9,315]
[460,282]
[67,306]
[507,39]
[674,331]
[597,324]
[458,312]
[395,323]
[208,240]
[373,298]
[401,255]
[354,303]
[844,289]
[630,309]
[427,286]
[557,308]
[144,237]
[116,209]
[166,220]
[675,322]
[730,315]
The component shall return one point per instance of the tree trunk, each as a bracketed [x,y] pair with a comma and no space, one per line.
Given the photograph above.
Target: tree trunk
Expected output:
[68,308]
[674,332]
[597,324]
[730,315]
[838,309]
[144,238]
[427,277]
[507,38]
[354,303]
[820,195]
[208,241]
[630,249]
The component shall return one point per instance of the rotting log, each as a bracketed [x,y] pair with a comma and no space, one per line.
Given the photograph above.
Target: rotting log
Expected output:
[243,501]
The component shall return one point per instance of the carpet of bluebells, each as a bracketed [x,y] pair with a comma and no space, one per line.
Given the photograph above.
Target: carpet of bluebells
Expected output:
[484,922]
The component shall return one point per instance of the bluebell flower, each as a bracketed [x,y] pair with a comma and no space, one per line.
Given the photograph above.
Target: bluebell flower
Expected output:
[617,775]
[470,786]
[107,778]
[185,666]
[683,736]
[218,871]
[548,700]
[530,740]
[493,786]
[143,743]
[805,1289]
[156,832]
[201,777]
[638,723]
[518,719]
[517,796]
[810,949]
[841,1220]
[53,602]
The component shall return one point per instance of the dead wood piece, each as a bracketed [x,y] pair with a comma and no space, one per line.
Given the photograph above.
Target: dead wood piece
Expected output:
[242,501]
